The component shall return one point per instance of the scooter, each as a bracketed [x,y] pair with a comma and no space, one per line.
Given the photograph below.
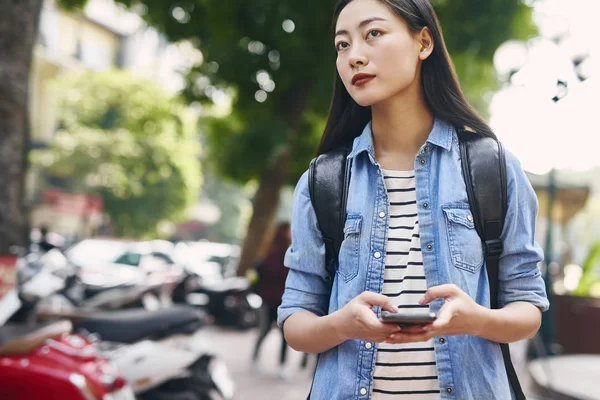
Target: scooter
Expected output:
[229,301]
[48,362]
[52,364]
[154,348]
[162,354]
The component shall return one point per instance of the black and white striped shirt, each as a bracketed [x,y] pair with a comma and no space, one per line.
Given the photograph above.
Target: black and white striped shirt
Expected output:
[404,371]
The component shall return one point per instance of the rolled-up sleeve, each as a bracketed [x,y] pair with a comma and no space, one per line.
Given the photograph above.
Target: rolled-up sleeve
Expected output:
[520,277]
[307,287]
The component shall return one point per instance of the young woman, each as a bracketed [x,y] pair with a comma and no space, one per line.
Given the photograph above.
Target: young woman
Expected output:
[409,239]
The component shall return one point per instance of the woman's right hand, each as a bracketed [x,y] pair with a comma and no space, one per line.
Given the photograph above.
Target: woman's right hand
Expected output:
[356,320]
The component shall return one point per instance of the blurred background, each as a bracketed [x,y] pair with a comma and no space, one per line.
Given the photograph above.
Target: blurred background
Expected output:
[149,151]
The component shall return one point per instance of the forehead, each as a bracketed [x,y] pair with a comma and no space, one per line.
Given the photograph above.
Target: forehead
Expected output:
[359,10]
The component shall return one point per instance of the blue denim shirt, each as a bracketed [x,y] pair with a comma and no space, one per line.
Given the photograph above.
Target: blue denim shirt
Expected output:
[468,367]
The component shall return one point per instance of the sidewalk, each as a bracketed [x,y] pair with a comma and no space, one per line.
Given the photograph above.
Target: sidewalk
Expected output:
[235,348]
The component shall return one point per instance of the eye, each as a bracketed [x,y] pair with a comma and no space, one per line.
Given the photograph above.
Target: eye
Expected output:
[373,33]
[341,46]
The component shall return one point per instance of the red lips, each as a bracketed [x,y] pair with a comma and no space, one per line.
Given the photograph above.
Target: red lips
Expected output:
[362,79]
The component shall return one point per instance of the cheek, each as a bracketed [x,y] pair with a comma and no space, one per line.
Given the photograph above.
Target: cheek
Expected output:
[398,61]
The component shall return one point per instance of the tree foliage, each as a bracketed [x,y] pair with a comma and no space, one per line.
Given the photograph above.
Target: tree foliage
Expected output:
[124,138]
[246,49]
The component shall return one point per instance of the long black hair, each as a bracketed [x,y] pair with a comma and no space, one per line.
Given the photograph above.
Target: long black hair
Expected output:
[441,88]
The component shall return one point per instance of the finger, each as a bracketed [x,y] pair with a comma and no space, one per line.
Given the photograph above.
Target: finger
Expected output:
[375,325]
[375,299]
[408,337]
[416,328]
[386,328]
[437,292]
[444,316]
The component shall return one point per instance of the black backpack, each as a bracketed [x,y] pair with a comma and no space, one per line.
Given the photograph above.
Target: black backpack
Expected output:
[484,170]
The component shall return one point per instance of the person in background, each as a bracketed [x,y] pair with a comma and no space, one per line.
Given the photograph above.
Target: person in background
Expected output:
[270,286]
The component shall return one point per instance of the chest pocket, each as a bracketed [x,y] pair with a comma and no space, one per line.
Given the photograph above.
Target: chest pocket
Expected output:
[350,248]
[466,248]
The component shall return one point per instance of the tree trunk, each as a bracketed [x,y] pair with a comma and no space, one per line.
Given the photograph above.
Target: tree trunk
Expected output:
[266,201]
[272,180]
[19,21]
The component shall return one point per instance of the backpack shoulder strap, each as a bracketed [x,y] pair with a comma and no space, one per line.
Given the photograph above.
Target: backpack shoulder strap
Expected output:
[484,170]
[328,181]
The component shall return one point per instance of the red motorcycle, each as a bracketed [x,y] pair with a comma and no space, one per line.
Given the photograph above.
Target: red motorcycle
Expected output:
[50,363]
[47,362]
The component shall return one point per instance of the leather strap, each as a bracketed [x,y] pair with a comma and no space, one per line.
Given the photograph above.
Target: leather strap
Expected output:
[329,179]
[484,170]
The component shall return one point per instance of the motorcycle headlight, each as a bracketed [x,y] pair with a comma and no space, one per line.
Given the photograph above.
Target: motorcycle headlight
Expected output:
[254,300]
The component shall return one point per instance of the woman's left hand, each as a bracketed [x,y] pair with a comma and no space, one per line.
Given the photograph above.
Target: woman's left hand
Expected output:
[460,315]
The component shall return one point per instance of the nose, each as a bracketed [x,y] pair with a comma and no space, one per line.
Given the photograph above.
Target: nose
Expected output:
[357,58]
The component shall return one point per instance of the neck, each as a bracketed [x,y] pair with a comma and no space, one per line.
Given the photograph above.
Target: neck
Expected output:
[401,125]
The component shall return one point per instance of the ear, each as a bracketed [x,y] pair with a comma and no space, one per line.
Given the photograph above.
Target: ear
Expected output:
[426,44]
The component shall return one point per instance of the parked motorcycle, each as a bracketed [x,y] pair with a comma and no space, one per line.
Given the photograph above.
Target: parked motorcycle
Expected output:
[229,301]
[46,361]
[162,354]
[50,363]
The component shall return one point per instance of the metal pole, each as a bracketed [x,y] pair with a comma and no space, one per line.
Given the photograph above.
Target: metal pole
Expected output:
[547,328]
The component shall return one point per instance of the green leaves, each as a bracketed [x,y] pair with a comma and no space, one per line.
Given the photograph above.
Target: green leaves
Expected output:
[289,44]
[591,272]
[123,137]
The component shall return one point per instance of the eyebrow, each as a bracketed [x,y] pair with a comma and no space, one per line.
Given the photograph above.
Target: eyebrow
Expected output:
[361,24]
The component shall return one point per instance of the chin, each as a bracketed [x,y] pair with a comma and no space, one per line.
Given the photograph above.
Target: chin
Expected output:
[366,99]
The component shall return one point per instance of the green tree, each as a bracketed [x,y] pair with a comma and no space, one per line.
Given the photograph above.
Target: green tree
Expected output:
[123,137]
[276,59]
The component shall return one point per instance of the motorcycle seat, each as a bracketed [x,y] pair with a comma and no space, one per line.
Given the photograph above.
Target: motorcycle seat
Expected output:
[129,326]
[18,339]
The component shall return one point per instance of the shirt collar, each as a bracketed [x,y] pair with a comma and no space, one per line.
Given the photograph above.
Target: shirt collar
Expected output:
[441,135]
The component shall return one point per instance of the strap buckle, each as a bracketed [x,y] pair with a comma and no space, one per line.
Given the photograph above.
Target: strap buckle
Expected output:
[493,248]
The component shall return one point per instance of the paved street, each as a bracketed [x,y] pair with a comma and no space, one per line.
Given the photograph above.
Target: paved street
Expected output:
[236,348]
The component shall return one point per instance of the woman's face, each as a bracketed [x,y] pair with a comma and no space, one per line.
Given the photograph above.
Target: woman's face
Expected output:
[378,55]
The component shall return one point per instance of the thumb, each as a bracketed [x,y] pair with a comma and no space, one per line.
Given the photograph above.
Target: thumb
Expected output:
[444,316]
[375,299]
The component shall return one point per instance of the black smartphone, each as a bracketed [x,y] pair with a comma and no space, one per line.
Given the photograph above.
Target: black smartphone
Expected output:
[405,319]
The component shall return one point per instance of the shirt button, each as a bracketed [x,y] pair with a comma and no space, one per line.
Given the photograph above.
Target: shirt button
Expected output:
[368,346]
[470,218]
[442,340]
[449,390]
[429,247]
[382,215]
[423,161]
[363,391]
[425,205]
[377,254]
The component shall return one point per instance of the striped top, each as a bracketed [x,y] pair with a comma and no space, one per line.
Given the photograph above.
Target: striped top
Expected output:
[404,371]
